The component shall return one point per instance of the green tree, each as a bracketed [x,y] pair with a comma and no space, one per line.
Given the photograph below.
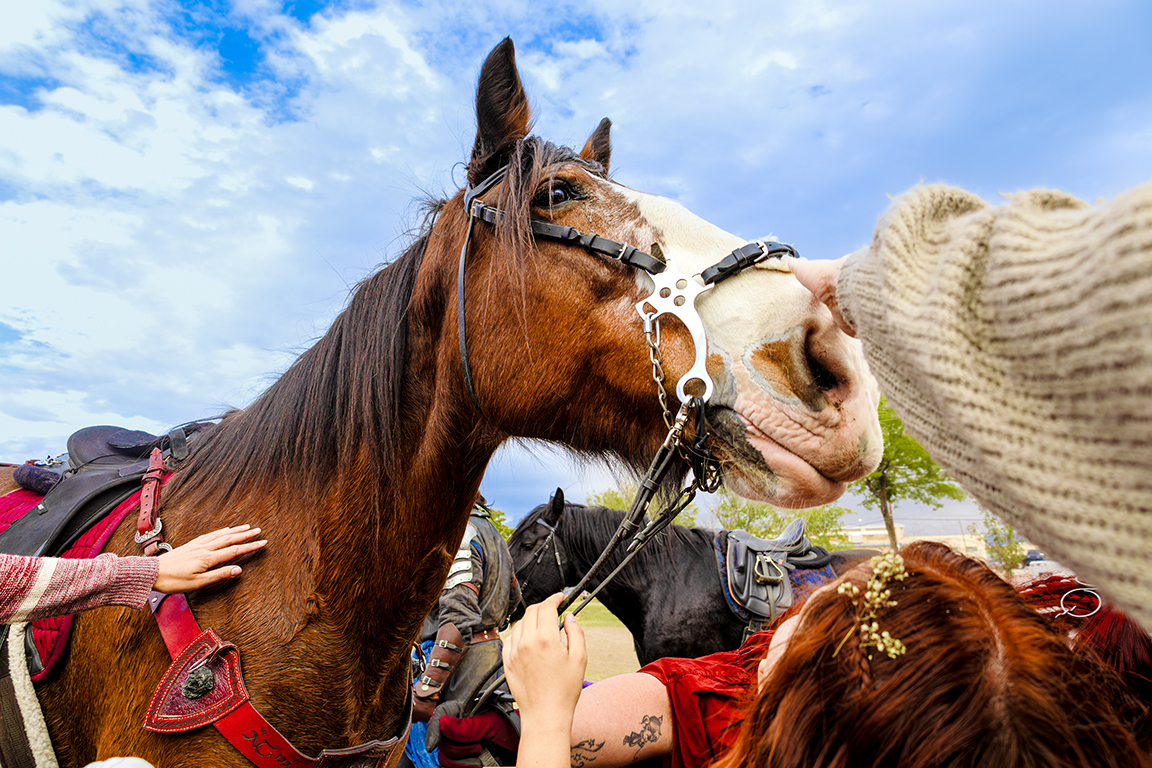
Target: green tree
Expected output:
[821,524]
[1005,548]
[621,498]
[498,521]
[906,472]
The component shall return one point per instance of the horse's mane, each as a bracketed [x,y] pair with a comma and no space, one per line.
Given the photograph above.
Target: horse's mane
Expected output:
[342,392]
[586,530]
[338,405]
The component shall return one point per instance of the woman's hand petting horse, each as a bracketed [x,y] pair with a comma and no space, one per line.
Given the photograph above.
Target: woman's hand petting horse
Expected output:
[193,565]
[545,675]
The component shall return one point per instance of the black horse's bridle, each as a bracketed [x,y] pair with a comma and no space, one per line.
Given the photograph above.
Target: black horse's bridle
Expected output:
[536,556]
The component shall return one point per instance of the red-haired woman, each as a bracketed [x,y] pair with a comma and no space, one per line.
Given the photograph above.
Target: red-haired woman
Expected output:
[931,660]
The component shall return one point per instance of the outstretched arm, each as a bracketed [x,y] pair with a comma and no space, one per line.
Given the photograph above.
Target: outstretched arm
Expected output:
[621,720]
[39,587]
[1022,324]
[193,565]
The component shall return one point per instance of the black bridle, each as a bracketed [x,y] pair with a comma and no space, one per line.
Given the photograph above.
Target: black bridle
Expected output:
[732,264]
[536,556]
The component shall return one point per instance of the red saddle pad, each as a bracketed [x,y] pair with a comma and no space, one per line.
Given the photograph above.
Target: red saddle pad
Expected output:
[51,635]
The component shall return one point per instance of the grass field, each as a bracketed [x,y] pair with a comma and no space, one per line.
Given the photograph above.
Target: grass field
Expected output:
[610,648]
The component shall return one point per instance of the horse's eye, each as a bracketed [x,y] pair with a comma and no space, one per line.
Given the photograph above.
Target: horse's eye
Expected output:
[554,194]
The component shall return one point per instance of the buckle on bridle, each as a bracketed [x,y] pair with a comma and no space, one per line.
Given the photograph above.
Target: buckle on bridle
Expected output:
[743,257]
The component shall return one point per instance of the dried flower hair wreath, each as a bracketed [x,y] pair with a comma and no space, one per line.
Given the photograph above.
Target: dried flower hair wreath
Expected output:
[886,568]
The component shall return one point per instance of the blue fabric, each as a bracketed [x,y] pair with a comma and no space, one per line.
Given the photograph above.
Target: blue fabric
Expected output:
[804,583]
[420,757]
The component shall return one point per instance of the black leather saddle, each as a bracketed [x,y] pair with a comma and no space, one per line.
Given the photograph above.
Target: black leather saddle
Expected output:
[103,467]
[754,571]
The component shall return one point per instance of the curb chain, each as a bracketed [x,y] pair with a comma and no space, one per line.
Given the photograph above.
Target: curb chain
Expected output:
[652,336]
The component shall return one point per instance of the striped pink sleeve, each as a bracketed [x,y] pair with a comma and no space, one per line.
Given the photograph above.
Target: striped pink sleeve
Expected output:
[39,587]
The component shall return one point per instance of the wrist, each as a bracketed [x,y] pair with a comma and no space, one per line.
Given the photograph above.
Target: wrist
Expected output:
[552,720]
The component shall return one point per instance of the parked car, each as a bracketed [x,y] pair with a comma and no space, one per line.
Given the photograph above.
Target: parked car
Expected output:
[1040,568]
[1032,556]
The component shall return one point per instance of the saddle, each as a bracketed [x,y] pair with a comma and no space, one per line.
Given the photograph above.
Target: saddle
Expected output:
[102,468]
[755,572]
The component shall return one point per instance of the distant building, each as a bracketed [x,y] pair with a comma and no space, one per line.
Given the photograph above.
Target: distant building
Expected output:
[866,537]
[876,537]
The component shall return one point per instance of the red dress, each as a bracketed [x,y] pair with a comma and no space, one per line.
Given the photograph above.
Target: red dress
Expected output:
[708,696]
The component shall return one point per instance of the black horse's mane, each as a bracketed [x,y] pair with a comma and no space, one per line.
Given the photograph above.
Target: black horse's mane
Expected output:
[585,531]
[344,393]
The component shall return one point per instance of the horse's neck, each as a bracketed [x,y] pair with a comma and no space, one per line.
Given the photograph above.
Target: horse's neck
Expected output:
[357,561]
[620,596]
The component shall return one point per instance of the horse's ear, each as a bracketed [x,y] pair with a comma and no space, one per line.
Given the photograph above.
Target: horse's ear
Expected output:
[502,113]
[598,148]
[555,508]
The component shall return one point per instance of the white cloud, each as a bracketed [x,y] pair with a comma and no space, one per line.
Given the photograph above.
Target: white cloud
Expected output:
[33,24]
[234,218]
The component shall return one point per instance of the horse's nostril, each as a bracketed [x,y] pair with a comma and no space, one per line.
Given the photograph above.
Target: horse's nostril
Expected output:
[822,377]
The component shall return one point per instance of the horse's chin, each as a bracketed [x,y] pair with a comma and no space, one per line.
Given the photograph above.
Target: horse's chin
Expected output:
[758,468]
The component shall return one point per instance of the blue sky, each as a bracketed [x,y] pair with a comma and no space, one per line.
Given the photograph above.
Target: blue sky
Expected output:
[188,190]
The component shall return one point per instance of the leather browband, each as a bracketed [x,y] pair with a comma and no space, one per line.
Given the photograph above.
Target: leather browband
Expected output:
[622,252]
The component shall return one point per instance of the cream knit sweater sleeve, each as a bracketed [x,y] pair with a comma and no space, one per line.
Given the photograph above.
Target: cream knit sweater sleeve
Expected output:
[1016,344]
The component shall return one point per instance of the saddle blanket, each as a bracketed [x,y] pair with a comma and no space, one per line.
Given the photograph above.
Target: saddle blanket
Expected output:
[51,635]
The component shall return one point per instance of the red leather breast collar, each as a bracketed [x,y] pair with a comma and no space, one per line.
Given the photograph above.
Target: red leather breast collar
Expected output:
[204,683]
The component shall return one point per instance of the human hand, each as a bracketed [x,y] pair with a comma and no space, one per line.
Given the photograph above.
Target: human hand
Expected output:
[545,677]
[820,278]
[188,566]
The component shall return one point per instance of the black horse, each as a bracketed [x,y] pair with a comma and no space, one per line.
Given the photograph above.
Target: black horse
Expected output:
[669,597]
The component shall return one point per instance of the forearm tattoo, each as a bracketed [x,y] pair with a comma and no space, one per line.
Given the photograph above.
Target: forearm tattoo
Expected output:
[584,752]
[649,733]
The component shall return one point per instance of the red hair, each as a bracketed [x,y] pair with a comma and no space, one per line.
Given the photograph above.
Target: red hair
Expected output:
[986,681]
[1096,628]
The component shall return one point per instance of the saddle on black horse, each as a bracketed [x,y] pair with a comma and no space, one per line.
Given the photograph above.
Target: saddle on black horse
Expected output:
[755,572]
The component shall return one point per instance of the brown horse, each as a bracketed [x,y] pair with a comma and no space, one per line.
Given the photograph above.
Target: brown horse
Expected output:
[361,462]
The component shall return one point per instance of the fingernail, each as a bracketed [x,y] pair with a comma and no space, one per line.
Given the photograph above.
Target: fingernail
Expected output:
[235,571]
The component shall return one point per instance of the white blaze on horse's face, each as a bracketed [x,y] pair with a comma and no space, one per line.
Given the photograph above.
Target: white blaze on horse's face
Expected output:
[793,403]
